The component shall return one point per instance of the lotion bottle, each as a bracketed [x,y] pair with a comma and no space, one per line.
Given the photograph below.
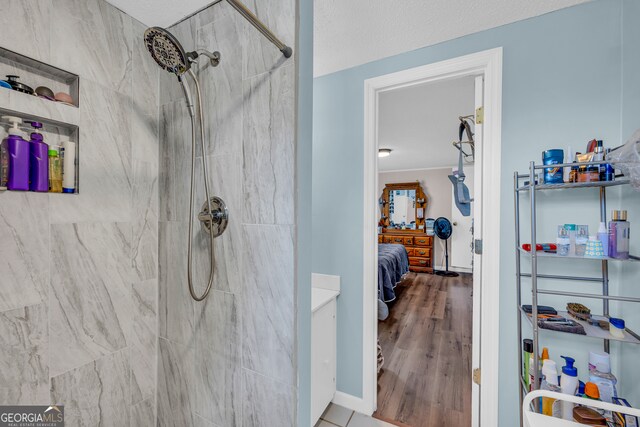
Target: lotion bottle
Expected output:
[568,385]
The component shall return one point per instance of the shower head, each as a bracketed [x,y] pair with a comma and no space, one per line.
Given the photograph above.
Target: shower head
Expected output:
[166,50]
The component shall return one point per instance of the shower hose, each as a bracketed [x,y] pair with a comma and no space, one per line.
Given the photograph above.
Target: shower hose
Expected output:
[192,191]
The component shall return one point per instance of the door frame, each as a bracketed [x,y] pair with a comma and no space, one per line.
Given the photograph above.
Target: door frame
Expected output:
[487,63]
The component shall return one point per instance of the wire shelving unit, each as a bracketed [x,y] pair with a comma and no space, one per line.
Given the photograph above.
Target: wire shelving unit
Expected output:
[529,188]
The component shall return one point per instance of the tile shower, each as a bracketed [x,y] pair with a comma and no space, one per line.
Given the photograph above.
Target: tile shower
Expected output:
[94,308]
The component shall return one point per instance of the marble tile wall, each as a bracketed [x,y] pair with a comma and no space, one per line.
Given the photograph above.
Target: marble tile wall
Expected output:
[231,360]
[79,274]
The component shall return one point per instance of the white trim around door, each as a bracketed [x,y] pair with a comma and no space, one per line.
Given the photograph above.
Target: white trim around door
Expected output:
[488,64]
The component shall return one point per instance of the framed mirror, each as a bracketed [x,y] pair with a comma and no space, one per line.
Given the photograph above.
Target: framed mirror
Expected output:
[403,207]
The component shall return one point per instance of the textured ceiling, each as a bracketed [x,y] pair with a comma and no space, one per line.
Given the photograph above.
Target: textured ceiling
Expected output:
[160,13]
[353,32]
[420,123]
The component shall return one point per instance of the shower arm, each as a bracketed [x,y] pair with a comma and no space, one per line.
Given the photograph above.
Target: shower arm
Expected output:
[253,20]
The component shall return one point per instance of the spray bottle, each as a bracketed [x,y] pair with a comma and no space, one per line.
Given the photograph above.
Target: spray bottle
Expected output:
[17,149]
[38,161]
[568,385]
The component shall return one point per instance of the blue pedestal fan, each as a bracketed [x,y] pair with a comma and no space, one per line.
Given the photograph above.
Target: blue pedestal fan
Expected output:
[442,228]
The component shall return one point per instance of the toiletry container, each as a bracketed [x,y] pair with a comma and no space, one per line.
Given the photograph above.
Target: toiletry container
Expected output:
[553,157]
[527,350]
[594,248]
[566,172]
[616,327]
[38,161]
[69,167]
[550,383]
[603,236]
[571,232]
[582,238]
[609,172]
[563,243]
[18,152]
[55,170]
[568,385]
[619,230]
[592,392]
[600,374]
[4,160]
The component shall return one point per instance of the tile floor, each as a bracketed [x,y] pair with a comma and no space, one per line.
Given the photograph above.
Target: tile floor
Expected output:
[339,416]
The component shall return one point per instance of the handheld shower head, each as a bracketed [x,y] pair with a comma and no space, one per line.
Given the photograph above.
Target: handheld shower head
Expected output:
[168,53]
[166,50]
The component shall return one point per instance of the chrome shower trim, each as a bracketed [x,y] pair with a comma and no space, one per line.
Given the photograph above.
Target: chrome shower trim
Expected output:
[214,57]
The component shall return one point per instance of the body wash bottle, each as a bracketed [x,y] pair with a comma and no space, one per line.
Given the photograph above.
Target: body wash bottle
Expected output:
[619,230]
[38,161]
[18,151]
[55,170]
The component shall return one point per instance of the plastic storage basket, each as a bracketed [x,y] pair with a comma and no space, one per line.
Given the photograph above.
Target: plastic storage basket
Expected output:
[534,419]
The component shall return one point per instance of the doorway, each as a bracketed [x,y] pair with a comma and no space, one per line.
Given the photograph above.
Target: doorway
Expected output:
[487,66]
[425,327]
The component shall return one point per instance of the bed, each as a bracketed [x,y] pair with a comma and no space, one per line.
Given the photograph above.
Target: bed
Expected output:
[393,263]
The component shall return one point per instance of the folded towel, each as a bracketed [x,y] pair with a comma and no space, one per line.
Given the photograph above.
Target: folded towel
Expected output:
[569,326]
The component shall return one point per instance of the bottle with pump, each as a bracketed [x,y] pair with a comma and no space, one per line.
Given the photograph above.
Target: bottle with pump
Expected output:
[38,161]
[17,149]
[568,385]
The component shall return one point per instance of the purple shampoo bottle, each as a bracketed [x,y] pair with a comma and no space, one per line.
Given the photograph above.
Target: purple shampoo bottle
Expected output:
[17,149]
[38,161]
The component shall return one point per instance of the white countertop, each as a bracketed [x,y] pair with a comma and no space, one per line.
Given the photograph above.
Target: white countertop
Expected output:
[320,297]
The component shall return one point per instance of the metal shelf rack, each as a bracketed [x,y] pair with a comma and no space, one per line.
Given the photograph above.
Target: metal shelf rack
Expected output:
[532,187]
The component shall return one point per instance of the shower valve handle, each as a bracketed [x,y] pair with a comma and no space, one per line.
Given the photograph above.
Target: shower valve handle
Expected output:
[216,219]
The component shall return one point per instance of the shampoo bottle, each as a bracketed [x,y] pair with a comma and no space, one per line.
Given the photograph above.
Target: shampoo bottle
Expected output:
[69,167]
[18,152]
[568,385]
[38,161]
[4,161]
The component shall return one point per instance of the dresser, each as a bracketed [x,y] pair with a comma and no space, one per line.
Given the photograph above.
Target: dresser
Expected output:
[419,248]
[403,208]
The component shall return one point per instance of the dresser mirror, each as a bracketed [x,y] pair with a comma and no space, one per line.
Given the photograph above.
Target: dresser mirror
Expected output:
[403,207]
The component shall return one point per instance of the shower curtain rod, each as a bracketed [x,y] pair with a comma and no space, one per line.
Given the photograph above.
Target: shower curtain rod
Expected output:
[253,20]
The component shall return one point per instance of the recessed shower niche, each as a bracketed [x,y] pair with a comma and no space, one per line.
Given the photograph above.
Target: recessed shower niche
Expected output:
[38,97]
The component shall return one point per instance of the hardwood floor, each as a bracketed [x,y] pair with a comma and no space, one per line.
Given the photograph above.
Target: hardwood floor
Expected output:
[426,343]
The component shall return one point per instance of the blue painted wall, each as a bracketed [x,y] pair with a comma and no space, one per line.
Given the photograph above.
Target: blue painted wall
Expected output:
[562,84]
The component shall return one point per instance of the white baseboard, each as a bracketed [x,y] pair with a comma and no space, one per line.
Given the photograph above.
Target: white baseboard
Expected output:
[351,402]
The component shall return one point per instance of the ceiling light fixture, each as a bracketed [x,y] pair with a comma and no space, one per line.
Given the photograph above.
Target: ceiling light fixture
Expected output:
[384,152]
